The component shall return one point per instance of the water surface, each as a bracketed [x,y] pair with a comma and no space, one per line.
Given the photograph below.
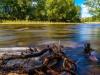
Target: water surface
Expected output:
[28,35]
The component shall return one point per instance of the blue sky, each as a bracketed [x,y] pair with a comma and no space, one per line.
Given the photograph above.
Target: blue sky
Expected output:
[84,9]
[79,2]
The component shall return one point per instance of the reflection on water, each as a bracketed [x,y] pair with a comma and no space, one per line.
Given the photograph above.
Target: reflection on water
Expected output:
[30,35]
[89,32]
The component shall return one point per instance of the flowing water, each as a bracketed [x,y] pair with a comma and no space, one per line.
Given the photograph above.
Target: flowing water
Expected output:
[72,36]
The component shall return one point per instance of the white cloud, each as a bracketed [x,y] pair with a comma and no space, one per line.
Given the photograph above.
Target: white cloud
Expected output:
[85,11]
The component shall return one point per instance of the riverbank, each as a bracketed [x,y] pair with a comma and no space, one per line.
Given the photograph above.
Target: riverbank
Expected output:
[92,22]
[26,22]
[6,22]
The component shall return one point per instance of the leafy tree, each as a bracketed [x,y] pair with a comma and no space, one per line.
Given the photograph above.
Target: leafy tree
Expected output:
[94,7]
[51,10]
[40,12]
[61,10]
[18,9]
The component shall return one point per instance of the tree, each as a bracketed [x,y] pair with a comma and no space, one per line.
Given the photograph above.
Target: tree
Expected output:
[61,10]
[94,7]
[40,12]
[18,9]
[51,10]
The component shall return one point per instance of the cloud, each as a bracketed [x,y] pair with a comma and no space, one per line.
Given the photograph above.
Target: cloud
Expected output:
[85,11]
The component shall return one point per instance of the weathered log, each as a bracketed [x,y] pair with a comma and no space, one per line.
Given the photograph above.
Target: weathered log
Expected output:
[33,54]
[9,62]
[49,61]
[43,67]
[13,49]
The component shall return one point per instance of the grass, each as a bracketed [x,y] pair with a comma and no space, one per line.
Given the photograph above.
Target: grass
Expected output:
[26,22]
[33,22]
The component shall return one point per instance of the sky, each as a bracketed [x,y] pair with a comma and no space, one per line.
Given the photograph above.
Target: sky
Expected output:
[79,2]
[84,9]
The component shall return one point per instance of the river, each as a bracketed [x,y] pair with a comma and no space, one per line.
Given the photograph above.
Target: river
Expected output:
[69,35]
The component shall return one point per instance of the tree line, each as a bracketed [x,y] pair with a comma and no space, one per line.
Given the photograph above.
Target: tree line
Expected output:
[40,10]
[94,10]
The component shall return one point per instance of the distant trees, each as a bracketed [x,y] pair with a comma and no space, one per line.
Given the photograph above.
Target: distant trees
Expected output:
[17,9]
[94,8]
[44,10]
[61,10]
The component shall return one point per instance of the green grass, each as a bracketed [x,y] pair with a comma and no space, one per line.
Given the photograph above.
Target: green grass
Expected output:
[33,22]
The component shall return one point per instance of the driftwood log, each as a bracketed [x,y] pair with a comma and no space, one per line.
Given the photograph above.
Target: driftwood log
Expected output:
[48,63]
[22,56]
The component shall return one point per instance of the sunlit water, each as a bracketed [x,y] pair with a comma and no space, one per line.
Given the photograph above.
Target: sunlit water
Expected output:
[69,35]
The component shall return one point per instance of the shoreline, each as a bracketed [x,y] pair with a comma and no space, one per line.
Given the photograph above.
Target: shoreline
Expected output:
[34,22]
[42,22]
[92,22]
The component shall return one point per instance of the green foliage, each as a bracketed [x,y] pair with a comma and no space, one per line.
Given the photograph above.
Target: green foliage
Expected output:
[94,8]
[51,10]
[61,10]
[17,9]
[91,19]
